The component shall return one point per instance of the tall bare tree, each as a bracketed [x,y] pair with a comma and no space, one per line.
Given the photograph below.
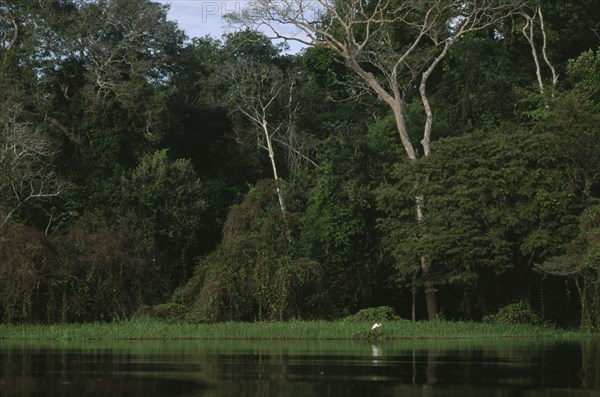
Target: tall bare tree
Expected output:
[257,91]
[534,17]
[392,46]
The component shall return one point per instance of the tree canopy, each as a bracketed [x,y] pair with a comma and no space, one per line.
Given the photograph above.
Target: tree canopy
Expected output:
[439,157]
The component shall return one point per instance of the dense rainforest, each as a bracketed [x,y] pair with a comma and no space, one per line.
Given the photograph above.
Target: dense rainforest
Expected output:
[423,155]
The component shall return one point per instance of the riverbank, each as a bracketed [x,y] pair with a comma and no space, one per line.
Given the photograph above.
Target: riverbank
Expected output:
[150,329]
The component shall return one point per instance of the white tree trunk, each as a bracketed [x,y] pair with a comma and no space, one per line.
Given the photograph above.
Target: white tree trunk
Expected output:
[269,141]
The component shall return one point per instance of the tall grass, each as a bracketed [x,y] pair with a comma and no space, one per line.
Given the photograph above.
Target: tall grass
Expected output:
[141,329]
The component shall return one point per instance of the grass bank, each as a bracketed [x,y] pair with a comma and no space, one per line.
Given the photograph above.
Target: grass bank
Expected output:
[150,329]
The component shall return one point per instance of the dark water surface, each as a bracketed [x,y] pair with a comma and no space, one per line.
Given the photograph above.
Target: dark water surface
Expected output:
[298,368]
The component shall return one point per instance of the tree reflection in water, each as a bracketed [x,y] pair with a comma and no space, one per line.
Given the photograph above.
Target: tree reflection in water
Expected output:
[299,368]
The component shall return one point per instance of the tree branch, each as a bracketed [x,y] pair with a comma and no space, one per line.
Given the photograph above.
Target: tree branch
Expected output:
[15,24]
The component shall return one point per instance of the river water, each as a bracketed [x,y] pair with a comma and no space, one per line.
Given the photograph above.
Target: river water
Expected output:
[511,368]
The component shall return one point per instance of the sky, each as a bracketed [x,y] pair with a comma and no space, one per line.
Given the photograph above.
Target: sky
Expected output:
[205,17]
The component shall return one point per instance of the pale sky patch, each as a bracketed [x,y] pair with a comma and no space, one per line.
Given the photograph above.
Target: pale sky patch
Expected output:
[205,17]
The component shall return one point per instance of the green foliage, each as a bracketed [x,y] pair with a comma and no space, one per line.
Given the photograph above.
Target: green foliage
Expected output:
[250,44]
[495,201]
[571,28]
[584,72]
[254,274]
[26,257]
[126,40]
[476,88]
[515,313]
[106,105]
[166,196]
[164,200]
[99,88]
[373,314]
[575,117]
[325,70]
[93,272]
[336,225]
[581,263]
[102,275]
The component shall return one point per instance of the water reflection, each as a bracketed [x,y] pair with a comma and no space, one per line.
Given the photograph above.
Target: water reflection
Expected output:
[294,368]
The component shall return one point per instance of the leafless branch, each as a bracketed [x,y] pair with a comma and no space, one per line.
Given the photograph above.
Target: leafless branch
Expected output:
[26,170]
[360,32]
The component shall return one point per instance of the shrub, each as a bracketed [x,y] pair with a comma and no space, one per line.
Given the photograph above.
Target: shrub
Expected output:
[102,273]
[93,271]
[27,261]
[373,314]
[515,313]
